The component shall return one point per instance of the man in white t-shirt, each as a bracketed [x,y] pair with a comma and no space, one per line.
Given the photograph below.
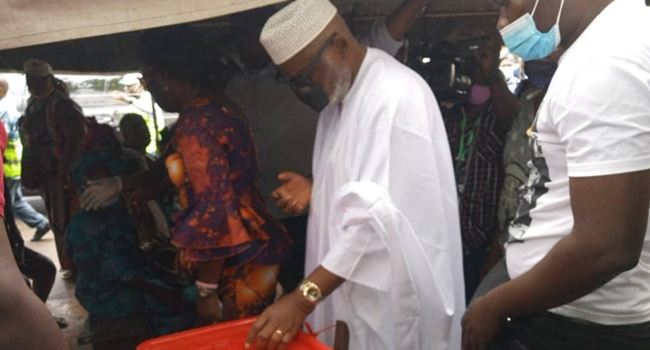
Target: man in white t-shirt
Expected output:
[577,269]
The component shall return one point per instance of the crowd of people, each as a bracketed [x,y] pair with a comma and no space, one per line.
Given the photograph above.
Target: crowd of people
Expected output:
[325,181]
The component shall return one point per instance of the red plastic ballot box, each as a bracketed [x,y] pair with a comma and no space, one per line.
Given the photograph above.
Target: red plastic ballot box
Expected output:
[224,336]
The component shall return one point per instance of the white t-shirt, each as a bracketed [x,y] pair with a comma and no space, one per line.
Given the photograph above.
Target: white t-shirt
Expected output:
[594,121]
[283,127]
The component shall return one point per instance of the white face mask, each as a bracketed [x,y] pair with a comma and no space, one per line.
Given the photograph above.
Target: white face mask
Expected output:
[526,41]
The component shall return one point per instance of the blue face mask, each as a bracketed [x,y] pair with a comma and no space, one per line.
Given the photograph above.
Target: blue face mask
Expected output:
[526,41]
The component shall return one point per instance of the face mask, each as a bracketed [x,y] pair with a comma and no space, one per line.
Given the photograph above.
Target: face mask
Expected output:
[540,73]
[313,96]
[307,91]
[479,94]
[526,41]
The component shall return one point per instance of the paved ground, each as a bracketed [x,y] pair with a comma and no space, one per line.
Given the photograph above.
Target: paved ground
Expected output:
[62,302]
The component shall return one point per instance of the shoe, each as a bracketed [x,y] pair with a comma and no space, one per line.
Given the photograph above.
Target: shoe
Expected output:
[38,235]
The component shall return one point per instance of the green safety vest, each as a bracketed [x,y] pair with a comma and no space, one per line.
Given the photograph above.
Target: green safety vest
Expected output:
[152,148]
[13,154]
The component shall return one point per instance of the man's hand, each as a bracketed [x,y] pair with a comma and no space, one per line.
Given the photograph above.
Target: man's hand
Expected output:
[100,193]
[294,195]
[278,325]
[399,22]
[482,323]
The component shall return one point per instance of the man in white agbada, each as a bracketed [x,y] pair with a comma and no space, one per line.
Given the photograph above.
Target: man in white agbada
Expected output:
[383,234]
[284,128]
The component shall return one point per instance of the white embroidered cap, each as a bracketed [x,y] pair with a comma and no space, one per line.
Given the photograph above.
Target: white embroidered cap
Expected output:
[294,27]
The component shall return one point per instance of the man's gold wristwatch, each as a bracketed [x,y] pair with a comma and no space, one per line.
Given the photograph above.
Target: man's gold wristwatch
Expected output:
[310,291]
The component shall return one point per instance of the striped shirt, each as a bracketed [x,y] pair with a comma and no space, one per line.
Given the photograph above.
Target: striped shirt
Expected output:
[477,144]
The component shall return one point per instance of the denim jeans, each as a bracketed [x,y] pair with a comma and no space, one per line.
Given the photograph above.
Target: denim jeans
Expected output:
[22,209]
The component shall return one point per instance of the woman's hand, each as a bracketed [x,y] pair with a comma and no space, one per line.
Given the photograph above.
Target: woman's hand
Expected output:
[209,309]
[100,193]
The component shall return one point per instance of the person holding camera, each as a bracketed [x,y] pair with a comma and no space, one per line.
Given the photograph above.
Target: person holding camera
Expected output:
[477,125]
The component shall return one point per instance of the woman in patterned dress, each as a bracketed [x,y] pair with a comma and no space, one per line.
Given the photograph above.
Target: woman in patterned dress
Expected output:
[226,238]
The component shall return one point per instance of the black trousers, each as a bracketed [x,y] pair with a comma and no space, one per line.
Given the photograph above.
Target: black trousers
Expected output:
[37,267]
[549,331]
[292,271]
[41,270]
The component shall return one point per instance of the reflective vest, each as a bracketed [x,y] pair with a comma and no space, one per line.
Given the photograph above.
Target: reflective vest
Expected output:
[13,154]
[152,148]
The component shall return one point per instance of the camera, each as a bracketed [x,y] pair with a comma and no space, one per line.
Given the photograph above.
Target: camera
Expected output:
[448,68]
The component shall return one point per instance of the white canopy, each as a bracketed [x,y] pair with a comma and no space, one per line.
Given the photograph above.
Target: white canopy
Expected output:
[33,22]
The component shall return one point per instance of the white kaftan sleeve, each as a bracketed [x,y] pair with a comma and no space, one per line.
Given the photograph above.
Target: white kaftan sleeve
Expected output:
[360,254]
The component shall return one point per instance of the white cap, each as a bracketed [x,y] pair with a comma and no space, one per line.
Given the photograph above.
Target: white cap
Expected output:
[130,79]
[294,27]
[37,68]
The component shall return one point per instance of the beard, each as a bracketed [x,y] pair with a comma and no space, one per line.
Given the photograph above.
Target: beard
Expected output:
[342,84]
[342,87]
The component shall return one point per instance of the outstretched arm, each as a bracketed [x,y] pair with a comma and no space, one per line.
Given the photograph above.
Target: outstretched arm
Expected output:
[399,22]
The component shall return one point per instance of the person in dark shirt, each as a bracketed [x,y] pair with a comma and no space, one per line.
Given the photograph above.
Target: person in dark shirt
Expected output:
[477,131]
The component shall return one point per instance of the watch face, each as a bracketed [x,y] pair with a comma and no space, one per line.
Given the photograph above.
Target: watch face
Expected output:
[311,292]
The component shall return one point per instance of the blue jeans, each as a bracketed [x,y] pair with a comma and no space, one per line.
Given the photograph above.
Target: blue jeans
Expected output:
[22,209]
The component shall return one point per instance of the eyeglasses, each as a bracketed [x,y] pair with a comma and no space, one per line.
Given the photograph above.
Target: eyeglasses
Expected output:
[304,80]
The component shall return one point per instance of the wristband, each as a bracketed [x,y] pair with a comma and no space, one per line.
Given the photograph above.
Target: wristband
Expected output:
[211,286]
[205,290]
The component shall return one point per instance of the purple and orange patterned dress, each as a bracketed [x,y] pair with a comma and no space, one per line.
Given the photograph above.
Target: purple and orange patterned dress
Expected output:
[224,216]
